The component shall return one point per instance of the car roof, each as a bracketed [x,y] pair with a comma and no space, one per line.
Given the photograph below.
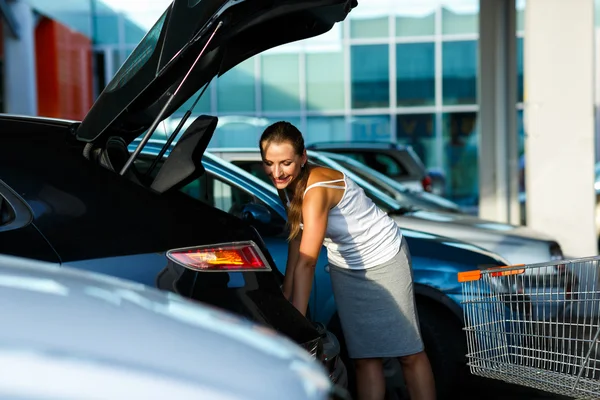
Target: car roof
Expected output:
[92,325]
[356,144]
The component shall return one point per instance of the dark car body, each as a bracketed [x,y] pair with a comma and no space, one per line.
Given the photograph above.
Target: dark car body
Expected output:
[71,195]
[71,212]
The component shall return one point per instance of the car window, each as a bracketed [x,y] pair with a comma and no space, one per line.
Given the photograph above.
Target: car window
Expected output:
[140,56]
[220,194]
[380,162]
[255,168]
[233,200]
[386,165]
[357,156]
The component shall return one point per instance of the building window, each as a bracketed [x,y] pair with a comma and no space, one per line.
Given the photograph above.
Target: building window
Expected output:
[325,81]
[459,72]
[415,74]
[415,26]
[460,140]
[520,87]
[107,29]
[370,76]
[239,131]
[202,107]
[371,128]
[235,89]
[369,28]
[418,131]
[455,22]
[280,76]
[323,129]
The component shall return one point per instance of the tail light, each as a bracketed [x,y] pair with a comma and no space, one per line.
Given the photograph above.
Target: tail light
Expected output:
[225,257]
[427,183]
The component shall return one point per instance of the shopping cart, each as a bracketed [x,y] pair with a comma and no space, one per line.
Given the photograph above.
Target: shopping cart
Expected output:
[536,325]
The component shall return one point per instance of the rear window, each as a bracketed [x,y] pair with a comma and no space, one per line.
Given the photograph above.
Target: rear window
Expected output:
[140,56]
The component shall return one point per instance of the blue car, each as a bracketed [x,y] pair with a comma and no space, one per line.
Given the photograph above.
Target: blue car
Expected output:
[436,260]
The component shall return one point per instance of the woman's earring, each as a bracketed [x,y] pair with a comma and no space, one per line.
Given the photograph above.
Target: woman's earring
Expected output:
[302,166]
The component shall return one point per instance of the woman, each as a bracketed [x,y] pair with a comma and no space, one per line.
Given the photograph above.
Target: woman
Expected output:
[369,262]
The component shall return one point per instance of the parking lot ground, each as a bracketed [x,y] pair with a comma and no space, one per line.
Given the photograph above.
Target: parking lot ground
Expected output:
[474,387]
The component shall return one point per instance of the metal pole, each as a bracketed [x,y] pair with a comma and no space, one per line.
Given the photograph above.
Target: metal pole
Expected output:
[152,128]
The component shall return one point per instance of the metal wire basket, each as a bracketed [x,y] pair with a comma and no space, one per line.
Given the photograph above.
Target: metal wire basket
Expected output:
[536,325]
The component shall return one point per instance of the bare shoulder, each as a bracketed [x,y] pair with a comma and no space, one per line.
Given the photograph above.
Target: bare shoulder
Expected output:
[323,174]
[327,197]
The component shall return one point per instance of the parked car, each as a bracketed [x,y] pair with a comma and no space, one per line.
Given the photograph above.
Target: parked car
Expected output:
[71,195]
[404,195]
[436,262]
[75,334]
[516,244]
[399,162]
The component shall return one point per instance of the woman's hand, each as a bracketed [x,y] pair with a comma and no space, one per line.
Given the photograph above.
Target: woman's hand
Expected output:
[315,209]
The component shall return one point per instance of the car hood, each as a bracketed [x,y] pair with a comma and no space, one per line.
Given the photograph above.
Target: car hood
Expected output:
[168,53]
[442,248]
[475,224]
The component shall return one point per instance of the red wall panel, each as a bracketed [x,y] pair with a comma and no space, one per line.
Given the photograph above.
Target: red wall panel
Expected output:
[64,71]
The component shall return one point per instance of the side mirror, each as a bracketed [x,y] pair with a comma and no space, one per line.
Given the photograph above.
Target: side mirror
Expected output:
[253,213]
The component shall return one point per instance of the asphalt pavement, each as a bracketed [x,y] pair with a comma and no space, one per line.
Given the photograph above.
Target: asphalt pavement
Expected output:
[474,387]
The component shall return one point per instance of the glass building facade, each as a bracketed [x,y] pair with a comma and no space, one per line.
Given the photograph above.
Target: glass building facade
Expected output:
[403,71]
[408,77]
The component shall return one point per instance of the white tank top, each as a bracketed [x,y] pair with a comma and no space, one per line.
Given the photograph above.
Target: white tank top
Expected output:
[359,234]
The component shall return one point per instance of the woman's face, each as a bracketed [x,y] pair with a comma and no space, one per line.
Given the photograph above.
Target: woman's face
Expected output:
[282,164]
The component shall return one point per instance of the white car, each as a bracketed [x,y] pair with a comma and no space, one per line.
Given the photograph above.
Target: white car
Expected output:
[69,334]
[516,244]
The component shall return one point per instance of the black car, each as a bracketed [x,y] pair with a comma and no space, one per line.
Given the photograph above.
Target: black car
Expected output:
[70,193]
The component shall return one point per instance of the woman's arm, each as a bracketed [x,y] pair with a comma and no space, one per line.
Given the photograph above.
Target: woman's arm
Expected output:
[315,209]
[292,260]
[292,256]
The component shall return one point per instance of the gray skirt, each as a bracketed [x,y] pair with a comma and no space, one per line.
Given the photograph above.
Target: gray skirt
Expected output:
[377,308]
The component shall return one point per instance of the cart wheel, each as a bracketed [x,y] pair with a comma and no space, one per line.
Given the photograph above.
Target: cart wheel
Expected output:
[445,345]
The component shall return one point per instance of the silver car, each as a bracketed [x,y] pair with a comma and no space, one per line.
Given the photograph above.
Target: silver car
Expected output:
[516,244]
[72,334]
